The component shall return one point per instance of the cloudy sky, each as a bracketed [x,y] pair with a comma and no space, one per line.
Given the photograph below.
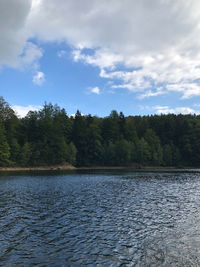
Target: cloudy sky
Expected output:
[139,57]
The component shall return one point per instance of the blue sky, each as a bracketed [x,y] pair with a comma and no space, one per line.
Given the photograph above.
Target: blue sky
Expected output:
[137,57]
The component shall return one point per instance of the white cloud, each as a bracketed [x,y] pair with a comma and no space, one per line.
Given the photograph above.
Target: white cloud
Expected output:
[187,90]
[101,58]
[143,44]
[13,32]
[150,93]
[95,90]
[22,111]
[30,56]
[177,110]
[39,78]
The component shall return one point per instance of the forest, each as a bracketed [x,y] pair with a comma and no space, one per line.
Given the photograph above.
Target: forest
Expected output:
[49,137]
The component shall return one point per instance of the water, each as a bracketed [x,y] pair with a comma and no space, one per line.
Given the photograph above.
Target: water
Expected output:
[100,219]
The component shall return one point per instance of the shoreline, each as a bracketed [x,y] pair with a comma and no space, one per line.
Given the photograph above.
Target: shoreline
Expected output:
[39,168]
[72,168]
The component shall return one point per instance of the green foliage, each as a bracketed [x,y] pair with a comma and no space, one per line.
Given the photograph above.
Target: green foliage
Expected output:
[123,152]
[15,151]
[155,149]
[25,154]
[143,152]
[167,155]
[72,151]
[79,138]
[109,154]
[4,153]
[4,148]
[95,148]
[9,147]
[49,137]
[111,128]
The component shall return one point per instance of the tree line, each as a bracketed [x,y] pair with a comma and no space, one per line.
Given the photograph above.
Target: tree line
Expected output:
[49,137]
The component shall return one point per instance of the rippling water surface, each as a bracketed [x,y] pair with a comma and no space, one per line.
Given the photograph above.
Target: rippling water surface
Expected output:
[100,219]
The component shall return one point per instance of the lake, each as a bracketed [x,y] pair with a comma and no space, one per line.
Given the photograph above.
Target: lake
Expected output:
[105,218]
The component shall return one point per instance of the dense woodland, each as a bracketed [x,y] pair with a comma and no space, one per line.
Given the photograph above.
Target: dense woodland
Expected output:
[50,137]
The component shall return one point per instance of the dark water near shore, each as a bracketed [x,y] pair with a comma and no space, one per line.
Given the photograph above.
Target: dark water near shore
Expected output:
[100,219]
